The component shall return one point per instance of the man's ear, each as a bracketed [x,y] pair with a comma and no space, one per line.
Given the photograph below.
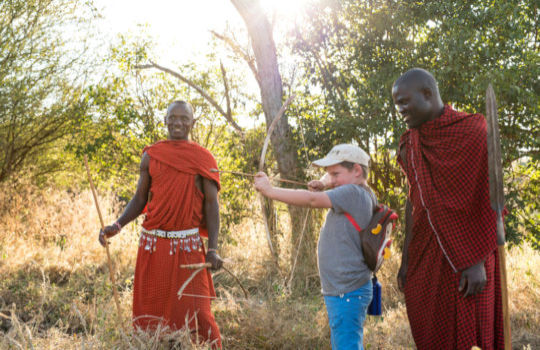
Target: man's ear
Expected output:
[427,93]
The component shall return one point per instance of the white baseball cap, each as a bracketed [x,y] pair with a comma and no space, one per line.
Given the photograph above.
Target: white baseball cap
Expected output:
[344,153]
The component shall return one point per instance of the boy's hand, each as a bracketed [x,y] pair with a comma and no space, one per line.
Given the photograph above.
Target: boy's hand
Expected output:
[262,183]
[316,186]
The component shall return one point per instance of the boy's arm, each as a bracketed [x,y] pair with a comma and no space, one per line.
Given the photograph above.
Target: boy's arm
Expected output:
[302,198]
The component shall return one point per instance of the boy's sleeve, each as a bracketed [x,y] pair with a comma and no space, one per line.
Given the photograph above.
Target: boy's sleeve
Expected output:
[348,198]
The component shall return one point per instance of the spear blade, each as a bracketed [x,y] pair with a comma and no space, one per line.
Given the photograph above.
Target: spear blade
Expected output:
[496,191]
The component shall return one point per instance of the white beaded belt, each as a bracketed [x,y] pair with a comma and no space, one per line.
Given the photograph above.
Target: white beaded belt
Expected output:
[172,234]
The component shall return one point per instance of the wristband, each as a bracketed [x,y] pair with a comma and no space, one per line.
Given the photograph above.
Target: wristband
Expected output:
[117,225]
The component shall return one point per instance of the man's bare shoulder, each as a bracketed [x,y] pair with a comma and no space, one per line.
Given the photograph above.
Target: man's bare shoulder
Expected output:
[145,162]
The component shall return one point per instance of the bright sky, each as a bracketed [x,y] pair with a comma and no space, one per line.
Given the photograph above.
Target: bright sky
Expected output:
[181,27]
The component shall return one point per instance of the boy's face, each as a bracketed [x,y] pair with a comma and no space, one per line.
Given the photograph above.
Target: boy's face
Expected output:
[339,175]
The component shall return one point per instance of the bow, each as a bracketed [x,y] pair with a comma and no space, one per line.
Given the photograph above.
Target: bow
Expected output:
[198,268]
[261,168]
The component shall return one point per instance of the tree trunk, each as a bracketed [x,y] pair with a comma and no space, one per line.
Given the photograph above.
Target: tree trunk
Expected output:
[271,88]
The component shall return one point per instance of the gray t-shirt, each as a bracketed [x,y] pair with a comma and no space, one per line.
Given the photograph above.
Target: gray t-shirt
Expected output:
[339,252]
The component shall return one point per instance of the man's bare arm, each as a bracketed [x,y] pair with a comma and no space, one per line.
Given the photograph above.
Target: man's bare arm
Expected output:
[135,205]
[211,213]
[139,200]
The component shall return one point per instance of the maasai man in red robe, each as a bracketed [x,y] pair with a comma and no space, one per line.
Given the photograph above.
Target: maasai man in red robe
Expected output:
[180,195]
[450,267]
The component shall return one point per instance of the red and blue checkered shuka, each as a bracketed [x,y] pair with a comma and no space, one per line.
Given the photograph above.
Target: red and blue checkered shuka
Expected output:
[454,227]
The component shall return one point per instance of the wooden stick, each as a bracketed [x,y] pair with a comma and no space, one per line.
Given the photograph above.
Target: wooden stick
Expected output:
[252,175]
[504,294]
[109,261]
[195,266]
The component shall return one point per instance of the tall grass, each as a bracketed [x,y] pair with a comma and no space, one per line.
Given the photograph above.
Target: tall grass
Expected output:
[55,291]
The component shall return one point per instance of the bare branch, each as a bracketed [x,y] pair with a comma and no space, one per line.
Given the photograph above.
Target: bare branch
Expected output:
[238,50]
[197,88]
[226,85]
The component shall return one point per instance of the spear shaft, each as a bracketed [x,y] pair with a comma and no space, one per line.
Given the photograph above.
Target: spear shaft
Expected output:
[496,195]
[109,260]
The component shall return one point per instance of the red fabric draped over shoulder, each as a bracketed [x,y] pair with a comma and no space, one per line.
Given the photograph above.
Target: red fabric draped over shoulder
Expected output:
[447,173]
[453,228]
[176,203]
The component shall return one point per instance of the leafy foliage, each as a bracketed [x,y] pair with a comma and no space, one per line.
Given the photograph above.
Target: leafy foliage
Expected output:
[353,51]
[40,81]
[125,114]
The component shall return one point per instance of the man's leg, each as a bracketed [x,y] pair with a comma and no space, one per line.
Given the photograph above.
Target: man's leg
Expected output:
[346,315]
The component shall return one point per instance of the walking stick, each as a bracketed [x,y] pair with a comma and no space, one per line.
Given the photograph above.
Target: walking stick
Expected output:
[109,261]
[496,195]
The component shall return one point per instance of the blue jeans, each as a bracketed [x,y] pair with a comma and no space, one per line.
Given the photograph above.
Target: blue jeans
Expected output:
[346,315]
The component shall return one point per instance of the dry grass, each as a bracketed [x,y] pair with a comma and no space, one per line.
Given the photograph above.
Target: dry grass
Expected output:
[55,292]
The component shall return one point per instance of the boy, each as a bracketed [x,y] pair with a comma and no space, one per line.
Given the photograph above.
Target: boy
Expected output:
[345,278]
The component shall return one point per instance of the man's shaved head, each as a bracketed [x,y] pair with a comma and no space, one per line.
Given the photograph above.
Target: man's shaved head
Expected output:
[417,97]
[418,78]
[180,103]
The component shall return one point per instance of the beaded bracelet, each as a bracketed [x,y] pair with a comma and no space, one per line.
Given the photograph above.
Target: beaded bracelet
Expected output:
[212,250]
[118,226]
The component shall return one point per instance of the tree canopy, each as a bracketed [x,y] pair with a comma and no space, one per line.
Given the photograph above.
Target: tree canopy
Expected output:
[348,54]
[41,75]
[353,51]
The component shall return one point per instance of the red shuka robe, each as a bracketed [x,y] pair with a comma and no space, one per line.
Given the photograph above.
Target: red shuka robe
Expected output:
[176,204]
[454,227]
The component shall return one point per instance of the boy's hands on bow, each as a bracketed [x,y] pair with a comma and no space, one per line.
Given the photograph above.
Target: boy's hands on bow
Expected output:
[262,183]
[321,184]
[316,186]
